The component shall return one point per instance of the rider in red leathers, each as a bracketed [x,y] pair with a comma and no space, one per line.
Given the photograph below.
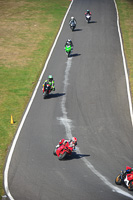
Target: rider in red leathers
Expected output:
[71,143]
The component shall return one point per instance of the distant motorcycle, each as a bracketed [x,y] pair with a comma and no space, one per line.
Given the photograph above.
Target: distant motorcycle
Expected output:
[46,90]
[126,178]
[72,25]
[62,151]
[68,50]
[88,18]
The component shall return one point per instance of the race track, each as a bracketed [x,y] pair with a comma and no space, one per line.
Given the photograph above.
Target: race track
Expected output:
[90,103]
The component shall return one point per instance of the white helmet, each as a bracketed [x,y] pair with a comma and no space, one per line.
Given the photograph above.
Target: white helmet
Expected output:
[72,18]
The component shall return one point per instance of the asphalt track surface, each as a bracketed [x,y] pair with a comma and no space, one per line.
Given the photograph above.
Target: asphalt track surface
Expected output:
[91,92]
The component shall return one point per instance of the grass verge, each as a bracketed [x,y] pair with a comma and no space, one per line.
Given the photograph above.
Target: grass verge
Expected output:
[125,9]
[28,29]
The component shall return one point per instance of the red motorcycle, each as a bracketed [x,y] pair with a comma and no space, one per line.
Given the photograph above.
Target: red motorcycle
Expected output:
[126,178]
[63,150]
[46,90]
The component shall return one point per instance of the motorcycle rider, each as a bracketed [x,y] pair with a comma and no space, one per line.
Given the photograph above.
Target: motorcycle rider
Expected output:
[68,42]
[50,81]
[73,20]
[88,12]
[72,142]
[126,172]
[129,170]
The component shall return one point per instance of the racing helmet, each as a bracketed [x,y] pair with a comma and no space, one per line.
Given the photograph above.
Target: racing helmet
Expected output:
[72,18]
[68,42]
[87,11]
[50,77]
[74,140]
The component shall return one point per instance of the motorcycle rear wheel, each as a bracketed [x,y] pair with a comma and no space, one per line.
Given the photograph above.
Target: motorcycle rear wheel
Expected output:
[61,156]
[130,186]
[118,180]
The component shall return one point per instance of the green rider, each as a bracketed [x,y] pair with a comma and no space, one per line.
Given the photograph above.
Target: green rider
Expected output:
[50,81]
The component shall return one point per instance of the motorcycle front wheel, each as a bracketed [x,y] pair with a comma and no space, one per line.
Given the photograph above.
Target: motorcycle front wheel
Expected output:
[44,94]
[61,156]
[54,152]
[88,20]
[118,180]
[68,54]
[73,28]
[130,186]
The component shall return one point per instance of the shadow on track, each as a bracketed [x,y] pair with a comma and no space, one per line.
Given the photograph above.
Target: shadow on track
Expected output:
[74,55]
[92,22]
[56,95]
[78,29]
[75,156]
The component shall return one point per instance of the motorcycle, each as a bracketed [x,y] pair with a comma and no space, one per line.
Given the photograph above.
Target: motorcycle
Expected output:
[63,150]
[72,26]
[46,90]
[88,18]
[126,178]
[68,50]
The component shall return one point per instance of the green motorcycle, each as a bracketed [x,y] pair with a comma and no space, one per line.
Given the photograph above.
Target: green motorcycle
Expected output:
[68,50]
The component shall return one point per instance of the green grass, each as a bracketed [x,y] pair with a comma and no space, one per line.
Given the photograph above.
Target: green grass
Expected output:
[125,9]
[28,29]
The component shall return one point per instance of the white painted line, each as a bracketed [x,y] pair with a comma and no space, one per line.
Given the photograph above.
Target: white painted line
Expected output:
[64,120]
[68,126]
[125,67]
[26,112]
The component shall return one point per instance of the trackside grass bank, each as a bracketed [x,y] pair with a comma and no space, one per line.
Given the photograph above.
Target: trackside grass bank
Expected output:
[27,31]
[125,9]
